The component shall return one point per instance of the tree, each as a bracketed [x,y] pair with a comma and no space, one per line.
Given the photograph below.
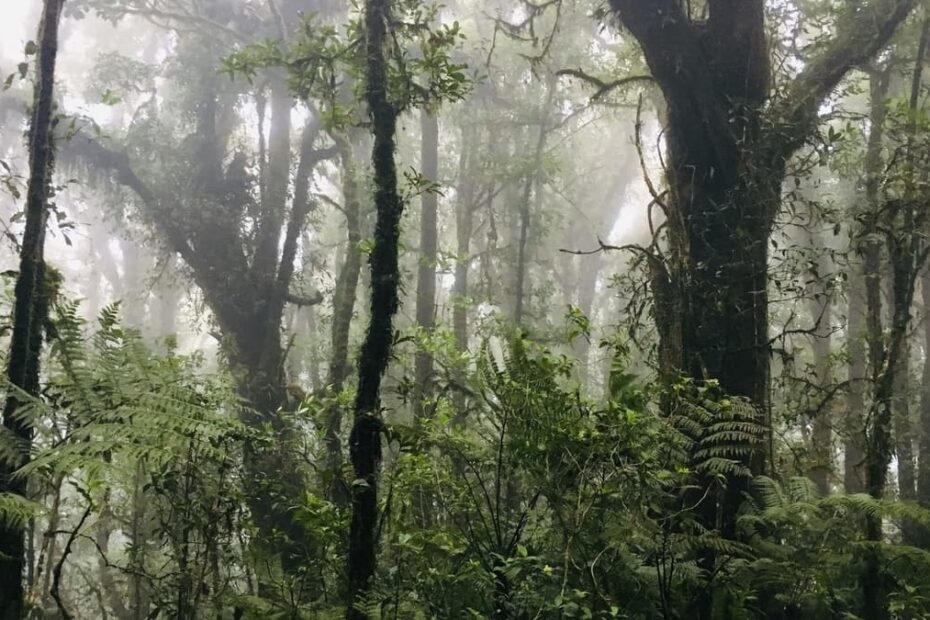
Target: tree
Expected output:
[426,272]
[31,304]
[238,235]
[365,438]
[729,141]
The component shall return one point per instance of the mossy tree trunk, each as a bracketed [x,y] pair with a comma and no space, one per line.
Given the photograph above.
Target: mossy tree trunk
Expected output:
[30,309]
[365,438]
[728,144]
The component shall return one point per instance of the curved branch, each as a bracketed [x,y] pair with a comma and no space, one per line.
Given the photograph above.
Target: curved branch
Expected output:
[86,149]
[861,33]
[603,87]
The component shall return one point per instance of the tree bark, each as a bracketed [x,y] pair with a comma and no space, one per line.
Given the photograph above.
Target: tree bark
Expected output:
[30,303]
[365,439]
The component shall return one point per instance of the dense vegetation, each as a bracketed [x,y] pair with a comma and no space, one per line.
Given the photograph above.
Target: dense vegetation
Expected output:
[503,309]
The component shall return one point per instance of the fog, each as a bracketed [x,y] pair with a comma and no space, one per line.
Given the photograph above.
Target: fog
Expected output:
[474,309]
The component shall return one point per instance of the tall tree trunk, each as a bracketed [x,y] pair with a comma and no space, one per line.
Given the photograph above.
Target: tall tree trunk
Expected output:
[343,309]
[426,273]
[923,471]
[530,195]
[464,225]
[821,307]
[365,439]
[426,286]
[30,305]
[879,446]
[854,423]
[877,431]
[726,162]
[903,231]
[903,429]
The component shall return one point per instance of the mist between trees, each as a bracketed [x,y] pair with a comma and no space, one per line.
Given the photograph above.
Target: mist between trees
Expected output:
[506,309]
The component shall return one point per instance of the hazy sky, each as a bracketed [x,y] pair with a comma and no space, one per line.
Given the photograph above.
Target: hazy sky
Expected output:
[14,30]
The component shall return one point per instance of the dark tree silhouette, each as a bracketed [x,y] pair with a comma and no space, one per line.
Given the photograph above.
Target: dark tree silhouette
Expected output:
[365,438]
[31,303]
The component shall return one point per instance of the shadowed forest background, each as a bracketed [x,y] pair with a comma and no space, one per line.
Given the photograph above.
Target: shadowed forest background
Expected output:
[506,309]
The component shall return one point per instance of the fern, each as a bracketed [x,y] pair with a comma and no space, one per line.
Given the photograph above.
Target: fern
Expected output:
[114,421]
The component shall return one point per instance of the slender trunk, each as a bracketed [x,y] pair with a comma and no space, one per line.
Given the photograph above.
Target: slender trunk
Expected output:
[111,589]
[139,596]
[313,361]
[899,222]
[923,471]
[365,439]
[903,429]
[821,307]
[531,183]
[134,291]
[880,449]
[168,299]
[854,424]
[48,554]
[30,305]
[464,225]
[426,286]
[426,274]
[344,298]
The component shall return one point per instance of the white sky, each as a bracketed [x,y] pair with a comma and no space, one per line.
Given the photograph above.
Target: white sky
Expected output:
[14,30]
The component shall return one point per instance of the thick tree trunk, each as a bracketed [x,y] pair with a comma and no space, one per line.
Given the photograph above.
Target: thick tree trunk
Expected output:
[726,163]
[30,303]
[365,439]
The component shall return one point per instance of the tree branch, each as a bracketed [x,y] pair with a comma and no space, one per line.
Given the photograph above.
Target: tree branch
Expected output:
[83,148]
[301,205]
[861,33]
[303,300]
[603,87]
